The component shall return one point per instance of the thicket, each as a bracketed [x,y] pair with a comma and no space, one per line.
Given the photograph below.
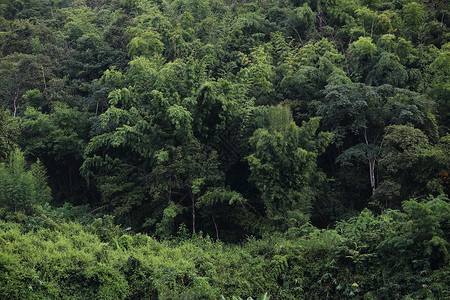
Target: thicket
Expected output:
[297,148]
[395,255]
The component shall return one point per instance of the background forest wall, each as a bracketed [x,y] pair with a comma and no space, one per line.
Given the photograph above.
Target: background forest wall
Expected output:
[234,119]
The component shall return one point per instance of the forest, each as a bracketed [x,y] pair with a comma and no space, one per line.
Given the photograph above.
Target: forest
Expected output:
[224,149]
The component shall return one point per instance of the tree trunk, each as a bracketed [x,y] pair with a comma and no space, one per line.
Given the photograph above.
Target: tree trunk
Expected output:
[215,226]
[16,96]
[372,174]
[193,211]
[372,158]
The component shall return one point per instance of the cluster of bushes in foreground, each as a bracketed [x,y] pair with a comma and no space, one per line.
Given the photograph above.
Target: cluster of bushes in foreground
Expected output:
[394,255]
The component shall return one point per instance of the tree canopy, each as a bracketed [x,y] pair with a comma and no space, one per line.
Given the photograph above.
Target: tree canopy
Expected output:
[323,125]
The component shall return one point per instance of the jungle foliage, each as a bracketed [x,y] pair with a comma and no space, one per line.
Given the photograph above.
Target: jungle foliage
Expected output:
[396,255]
[205,148]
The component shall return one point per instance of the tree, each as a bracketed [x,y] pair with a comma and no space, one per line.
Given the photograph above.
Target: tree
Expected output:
[217,105]
[182,174]
[20,73]
[387,70]
[283,164]
[357,116]
[411,163]
[414,16]
[439,87]
[258,74]
[361,54]
[157,110]
[9,134]
[301,22]
[21,189]
[58,139]
[145,44]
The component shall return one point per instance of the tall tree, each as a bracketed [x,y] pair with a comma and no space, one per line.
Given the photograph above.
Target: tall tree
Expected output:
[410,165]
[9,134]
[283,164]
[358,114]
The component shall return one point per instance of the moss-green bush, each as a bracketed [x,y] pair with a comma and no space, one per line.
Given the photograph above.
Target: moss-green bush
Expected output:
[22,188]
[391,255]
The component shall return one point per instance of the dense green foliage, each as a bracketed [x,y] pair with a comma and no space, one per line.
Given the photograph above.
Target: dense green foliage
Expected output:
[319,129]
[371,256]
[21,189]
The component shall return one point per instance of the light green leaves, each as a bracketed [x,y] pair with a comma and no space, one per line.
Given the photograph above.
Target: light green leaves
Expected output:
[146,43]
[181,120]
[22,189]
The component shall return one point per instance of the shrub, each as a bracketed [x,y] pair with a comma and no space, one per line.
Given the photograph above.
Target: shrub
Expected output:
[21,189]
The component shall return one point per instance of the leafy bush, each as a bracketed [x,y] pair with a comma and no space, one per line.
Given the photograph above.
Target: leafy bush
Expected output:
[392,255]
[22,188]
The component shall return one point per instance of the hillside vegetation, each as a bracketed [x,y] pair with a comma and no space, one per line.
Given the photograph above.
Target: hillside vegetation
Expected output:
[205,148]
